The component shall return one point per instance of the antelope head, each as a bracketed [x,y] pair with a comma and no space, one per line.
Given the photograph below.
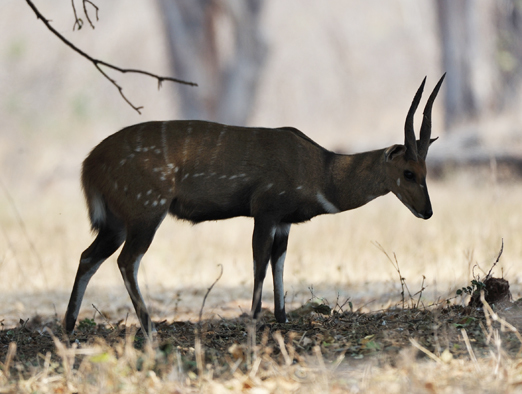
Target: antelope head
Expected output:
[406,164]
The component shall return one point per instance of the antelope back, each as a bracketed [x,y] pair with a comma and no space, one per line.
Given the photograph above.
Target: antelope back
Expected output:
[199,170]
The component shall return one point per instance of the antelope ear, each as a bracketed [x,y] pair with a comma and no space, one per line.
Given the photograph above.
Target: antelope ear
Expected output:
[394,151]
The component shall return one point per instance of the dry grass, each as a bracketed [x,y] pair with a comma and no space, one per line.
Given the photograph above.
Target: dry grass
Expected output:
[441,349]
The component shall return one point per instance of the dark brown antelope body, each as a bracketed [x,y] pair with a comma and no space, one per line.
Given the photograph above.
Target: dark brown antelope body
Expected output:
[200,171]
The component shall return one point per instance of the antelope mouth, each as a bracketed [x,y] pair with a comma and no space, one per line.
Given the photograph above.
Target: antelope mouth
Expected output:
[426,215]
[417,214]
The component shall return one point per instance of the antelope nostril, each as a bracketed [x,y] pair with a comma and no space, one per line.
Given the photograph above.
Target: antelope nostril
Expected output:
[428,214]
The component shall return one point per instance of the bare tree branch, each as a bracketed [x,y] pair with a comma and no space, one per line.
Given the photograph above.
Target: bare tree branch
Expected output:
[78,21]
[97,63]
[87,14]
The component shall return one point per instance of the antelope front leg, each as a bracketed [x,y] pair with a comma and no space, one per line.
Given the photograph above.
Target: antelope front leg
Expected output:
[262,240]
[277,260]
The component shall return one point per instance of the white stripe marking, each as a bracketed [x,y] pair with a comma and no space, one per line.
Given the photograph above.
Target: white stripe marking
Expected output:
[327,205]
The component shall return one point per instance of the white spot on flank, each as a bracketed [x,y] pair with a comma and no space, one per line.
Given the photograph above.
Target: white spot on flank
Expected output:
[122,162]
[157,151]
[176,169]
[422,186]
[327,205]
[125,188]
[233,177]
[185,177]
[283,192]
[163,201]
[269,186]
[154,203]
[115,185]
[145,149]
[222,177]
[170,165]
[398,181]
[149,192]
[146,203]
[138,196]
[298,187]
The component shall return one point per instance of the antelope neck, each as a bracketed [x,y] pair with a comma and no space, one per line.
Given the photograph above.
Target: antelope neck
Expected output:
[356,179]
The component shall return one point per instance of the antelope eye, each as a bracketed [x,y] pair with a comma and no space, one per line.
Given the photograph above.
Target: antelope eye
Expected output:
[410,176]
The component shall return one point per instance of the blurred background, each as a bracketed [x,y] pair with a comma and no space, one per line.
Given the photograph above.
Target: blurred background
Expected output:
[344,72]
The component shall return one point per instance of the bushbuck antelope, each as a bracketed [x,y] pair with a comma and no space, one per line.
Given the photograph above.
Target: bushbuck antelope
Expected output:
[200,171]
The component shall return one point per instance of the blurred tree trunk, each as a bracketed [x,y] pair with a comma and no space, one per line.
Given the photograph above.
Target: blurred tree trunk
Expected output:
[481,53]
[217,44]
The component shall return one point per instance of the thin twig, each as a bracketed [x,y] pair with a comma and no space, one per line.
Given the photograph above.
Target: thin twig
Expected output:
[420,291]
[198,348]
[425,351]
[200,355]
[470,349]
[97,63]
[496,261]
[103,316]
[11,352]
[208,292]
[341,306]
[397,268]
[87,14]
[77,21]
[279,338]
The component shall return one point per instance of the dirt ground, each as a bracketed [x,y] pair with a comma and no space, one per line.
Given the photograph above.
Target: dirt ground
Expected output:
[336,334]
